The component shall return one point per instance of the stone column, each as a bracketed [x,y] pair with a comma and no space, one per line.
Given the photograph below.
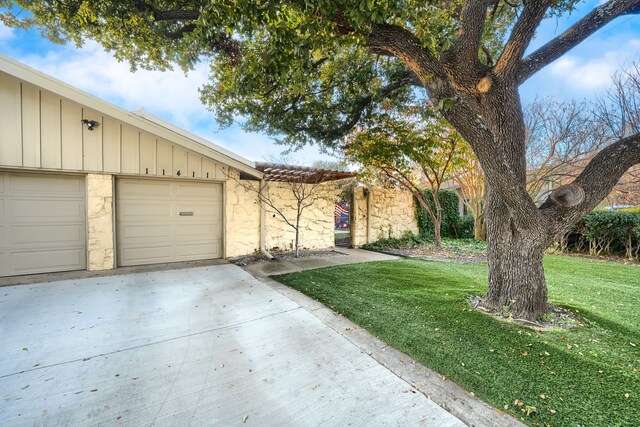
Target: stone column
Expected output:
[100,221]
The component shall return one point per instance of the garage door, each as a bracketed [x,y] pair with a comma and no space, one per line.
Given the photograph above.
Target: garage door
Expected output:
[166,221]
[42,223]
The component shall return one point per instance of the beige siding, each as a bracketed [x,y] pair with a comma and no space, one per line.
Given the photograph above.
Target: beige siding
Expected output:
[10,123]
[30,128]
[92,141]
[111,144]
[51,133]
[39,129]
[130,149]
[71,136]
[147,154]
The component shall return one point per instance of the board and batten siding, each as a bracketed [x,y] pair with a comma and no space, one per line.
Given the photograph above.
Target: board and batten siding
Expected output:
[41,130]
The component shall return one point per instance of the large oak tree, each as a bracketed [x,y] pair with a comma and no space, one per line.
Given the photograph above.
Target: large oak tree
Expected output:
[310,70]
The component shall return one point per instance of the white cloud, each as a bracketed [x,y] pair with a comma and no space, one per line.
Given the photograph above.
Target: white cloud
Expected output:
[6,33]
[261,148]
[171,94]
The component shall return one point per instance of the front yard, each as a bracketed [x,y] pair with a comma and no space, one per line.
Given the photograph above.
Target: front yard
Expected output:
[586,376]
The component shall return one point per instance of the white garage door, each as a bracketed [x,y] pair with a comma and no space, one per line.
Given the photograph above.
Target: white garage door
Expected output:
[165,221]
[42,223]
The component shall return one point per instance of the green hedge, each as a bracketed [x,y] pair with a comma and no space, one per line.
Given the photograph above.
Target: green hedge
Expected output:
[452,225]
[605,233]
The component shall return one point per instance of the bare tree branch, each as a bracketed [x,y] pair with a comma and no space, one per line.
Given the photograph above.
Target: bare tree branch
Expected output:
[596,19]
[616,159]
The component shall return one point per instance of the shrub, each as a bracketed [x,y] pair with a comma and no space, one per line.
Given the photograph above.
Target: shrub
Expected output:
[605,233]
[452,225]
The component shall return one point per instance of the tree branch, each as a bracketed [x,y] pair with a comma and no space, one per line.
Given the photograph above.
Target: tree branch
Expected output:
[596,19]
[596,181]
[404,45]
[521,36]
[472,18]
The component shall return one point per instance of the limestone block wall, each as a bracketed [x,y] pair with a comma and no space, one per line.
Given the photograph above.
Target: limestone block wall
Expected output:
[100,221]
[316,223]
[242,234]
[392,214]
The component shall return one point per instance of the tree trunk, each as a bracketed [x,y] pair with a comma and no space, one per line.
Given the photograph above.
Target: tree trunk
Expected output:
[516,275]
[479,228]
[297,246]
[436,232]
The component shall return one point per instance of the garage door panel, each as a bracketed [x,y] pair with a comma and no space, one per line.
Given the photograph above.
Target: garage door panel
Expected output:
[145,189]
[51,185]
[197,230]
[48,260]
[138,209]
[147,254]
[146,231]
[151,232]
[198,191]
[53,236]
[200,210]
[46,209]
[197,251]
[42,223]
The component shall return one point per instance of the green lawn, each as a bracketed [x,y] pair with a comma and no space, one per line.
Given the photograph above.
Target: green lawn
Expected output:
[586,376]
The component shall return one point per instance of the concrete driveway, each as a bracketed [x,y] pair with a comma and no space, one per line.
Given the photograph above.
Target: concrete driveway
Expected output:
[199,346]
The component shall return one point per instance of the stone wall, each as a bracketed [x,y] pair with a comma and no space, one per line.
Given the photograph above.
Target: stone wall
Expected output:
[316,222]
[242,234]
[243,218]
[393,213]
[100,221]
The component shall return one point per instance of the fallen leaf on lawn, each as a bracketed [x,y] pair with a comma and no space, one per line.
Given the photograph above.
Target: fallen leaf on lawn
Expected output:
[519,403]
[546,353]
[506,406]
[245,418]
[472,394]
[552,411]
[625,395]
[632,344]
[542,396]
[524,353]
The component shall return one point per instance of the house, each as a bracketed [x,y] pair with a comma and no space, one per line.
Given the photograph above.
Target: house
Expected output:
[87,185]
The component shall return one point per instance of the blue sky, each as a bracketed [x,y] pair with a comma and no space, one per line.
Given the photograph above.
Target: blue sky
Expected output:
[582,73]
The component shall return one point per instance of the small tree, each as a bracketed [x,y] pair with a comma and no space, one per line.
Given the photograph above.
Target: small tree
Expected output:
[305,193]
[409,149]
[470,179]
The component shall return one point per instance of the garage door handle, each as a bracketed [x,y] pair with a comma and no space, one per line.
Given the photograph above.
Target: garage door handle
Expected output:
[186,213]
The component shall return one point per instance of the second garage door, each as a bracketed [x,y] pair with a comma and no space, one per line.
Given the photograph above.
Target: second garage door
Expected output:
[166,221]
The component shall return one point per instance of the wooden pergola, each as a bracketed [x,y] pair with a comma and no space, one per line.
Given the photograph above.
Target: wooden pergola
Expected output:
[300,174]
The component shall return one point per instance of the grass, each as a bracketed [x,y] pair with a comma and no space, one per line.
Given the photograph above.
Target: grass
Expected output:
[586,376]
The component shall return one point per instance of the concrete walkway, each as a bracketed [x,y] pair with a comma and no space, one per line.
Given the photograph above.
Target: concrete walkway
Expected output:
[438,388]
[199,346]
[343,256]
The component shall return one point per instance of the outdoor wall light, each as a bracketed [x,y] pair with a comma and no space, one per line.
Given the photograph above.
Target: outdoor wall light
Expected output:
[90,123]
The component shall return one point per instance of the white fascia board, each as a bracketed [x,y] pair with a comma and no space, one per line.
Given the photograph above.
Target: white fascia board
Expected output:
[155,126]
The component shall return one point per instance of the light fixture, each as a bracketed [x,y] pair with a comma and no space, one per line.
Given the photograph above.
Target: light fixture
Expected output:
[90,123]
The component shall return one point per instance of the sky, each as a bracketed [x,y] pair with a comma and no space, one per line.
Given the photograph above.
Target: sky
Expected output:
[582,73]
